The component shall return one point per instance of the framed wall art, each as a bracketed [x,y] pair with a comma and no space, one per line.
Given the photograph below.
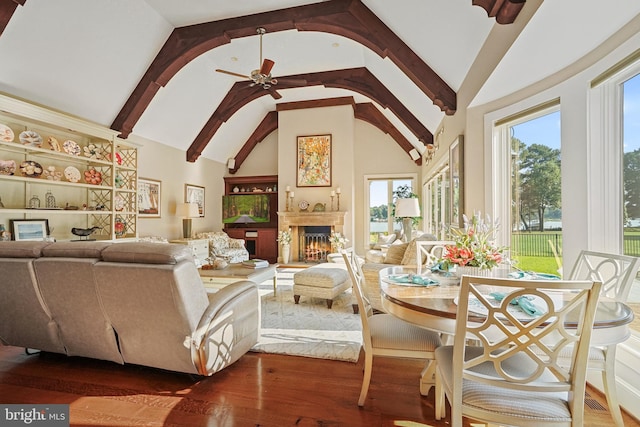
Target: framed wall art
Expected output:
[314,161]
[149,197]
[29,229]
[456,180]
[195,194]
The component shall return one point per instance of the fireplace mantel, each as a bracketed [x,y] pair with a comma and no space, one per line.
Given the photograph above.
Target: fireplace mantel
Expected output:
[293,220]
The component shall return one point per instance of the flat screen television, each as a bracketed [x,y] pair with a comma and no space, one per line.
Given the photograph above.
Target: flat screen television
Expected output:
[246,209]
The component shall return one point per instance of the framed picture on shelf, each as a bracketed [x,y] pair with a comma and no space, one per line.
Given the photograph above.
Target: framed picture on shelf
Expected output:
[195,194]
[314,161]
[149,198]
[456,181]
[29,229]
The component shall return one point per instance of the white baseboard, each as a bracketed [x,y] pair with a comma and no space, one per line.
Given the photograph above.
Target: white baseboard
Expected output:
[628,377]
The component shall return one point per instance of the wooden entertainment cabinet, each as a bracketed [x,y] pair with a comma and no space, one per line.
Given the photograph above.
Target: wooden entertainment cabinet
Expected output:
[260,239]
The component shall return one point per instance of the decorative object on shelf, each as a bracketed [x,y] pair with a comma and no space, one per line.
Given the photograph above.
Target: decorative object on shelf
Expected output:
[92,176]
[407,209]
[54,145]
[50,200]
[6,134]
[4,234]
[71,147]
[314,161]
[320,207]
[52,174]
[195,194]
[84,233]
[338,241]
[93,152]
[303,205]
[118,181]
[474,245]
[31,169]
[236,189]
[119,227]
[118,203]
[29,229]
[72,174]
[29,137]
[187,211]
[7,167]
[34,202]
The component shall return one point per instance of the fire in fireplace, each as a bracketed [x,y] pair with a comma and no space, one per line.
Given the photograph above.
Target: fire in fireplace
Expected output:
[314,243]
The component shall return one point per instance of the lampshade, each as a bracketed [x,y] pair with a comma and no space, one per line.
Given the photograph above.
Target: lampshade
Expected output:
[407,208]
[187,210]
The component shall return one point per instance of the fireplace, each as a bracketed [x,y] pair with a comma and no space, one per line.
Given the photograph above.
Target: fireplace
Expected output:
[298,222]
[314,243]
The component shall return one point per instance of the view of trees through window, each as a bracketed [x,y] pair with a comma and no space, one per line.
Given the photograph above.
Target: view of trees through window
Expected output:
[536,209]
[380,205]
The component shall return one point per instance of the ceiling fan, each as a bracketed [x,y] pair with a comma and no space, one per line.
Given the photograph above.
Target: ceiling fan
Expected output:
[262,76]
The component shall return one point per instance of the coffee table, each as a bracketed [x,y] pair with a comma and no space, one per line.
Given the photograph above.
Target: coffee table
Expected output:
[217,279]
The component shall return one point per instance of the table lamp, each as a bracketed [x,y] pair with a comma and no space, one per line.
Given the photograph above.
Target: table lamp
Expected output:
[187,211]
[407,209]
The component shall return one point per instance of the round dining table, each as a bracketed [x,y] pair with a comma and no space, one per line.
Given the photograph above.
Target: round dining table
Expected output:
[433,307]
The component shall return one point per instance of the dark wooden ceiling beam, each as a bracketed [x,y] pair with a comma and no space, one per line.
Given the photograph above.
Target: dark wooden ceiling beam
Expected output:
[359,80]
[347,18]
[7,9]
[505,11]
[268,124]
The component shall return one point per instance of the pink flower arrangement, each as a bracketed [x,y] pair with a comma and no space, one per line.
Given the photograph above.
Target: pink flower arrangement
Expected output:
[475,245]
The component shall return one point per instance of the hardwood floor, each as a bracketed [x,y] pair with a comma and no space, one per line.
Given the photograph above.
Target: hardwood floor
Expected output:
[259,390]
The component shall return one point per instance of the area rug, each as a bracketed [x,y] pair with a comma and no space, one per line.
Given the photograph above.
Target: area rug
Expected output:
[309,328]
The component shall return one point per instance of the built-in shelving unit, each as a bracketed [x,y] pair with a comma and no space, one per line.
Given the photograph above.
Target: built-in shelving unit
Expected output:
[260,239]
[81,173]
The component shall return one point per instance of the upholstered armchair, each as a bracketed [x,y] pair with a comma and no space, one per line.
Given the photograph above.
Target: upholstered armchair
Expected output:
[225,247]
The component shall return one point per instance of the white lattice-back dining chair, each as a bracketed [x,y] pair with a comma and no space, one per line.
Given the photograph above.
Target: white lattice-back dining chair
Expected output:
[512,377]
[431,251]
[386,335]
[617,273]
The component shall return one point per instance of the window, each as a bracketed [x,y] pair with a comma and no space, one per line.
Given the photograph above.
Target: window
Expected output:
[380,201]
[436,193]
[532,226]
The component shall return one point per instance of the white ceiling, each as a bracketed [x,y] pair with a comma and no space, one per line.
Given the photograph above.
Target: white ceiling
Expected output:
[85,57]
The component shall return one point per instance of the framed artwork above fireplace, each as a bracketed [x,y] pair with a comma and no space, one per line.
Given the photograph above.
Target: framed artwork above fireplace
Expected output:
[314,161]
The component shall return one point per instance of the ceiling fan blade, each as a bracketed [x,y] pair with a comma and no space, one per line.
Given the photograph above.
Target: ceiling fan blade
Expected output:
[266,67]
[274,93]
[294,82]
[231,73]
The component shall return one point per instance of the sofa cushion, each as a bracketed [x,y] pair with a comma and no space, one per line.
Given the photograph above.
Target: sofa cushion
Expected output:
[395,253]
[384,239]
[28,249]
[147,253]
[88,249]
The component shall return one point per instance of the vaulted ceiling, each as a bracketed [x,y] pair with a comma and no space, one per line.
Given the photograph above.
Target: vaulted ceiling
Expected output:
[147,67]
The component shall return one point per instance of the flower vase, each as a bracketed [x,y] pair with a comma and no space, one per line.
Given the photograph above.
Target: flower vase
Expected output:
[474,271]
[285,253]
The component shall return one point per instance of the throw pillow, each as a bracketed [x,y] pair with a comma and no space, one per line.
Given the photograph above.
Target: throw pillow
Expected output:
[411,254]
[384,239]
[395,253]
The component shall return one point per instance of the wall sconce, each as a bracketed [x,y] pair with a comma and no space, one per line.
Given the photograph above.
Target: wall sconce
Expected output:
[415,155]
[187,211]
[231,163]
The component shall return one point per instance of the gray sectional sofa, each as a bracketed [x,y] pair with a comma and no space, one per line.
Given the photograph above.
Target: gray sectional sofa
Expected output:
[132,302]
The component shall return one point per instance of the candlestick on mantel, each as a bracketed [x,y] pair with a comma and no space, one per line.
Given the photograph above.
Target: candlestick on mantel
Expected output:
[291,195]
[286,199]
[338,196]
[338,190]
[332,196]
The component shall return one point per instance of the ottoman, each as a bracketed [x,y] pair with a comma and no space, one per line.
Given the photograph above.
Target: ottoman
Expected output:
[321,281]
